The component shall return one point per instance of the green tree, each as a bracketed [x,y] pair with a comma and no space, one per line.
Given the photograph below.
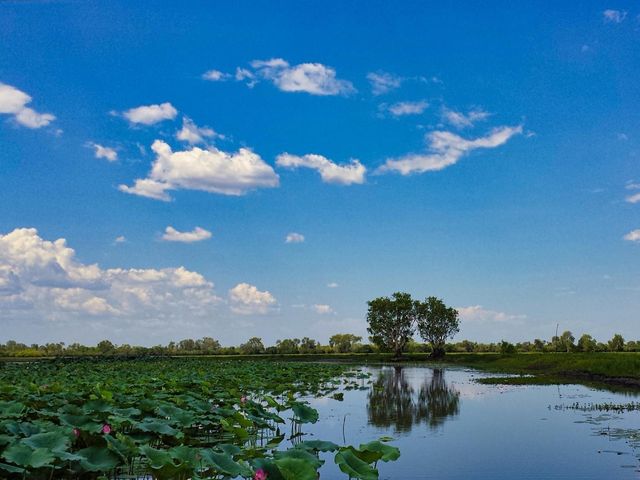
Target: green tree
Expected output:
[566,341]
[207,345]
[391,321]
[436,323]
[307,345]
[105,347]
[253,346]
[343,342]
[288,345]
[586,343]
[616,344]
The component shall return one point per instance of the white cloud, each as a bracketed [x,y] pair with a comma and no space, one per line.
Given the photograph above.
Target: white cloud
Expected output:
[332,285]
[479,314]
[313,78]
[462,120]
[44,279]
[14,102]
[399,109]
[215,76]
[445,149]
[246,299]
[635,198]
[107,153]
[209,170]
[614,16]
[323,309]
[196,235]
[294,237]
[330,172]
[633,236]
[383,82]
[151,114]
[120,239]
[193,134]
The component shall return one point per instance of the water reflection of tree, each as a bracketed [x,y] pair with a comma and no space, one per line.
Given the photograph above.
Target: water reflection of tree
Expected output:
[393,402]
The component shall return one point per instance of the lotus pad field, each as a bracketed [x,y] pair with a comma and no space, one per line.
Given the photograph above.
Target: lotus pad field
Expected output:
[172,418]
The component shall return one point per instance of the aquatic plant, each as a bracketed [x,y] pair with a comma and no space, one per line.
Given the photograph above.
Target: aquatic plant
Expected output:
[171,419]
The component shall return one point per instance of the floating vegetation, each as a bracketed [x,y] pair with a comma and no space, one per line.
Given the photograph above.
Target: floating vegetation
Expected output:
[172,419]
[600,407]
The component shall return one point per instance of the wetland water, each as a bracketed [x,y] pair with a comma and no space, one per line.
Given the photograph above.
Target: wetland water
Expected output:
[448,426]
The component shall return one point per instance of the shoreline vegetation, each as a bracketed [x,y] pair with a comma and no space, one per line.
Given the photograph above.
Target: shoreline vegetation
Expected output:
[613,369]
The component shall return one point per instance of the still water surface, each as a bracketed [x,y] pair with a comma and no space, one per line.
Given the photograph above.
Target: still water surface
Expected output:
[447,426]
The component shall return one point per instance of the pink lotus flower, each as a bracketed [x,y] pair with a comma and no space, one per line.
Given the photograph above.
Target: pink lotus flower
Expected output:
[76,432]
[260,475]
[106,429]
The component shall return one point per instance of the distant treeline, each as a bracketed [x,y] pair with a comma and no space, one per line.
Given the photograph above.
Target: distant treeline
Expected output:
[339,343]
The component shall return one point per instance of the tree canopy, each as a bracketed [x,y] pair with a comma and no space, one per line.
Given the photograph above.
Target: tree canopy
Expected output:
[392,321]
[436,323]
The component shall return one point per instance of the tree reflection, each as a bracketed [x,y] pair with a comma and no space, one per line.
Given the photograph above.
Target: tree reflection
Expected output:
[393,401]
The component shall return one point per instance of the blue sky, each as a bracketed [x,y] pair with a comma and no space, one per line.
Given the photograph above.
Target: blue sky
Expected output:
[485,154]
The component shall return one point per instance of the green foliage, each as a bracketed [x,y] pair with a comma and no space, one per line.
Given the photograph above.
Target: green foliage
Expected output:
[392,321]
[343,342]
[507,348]
[162,419]
[436,323]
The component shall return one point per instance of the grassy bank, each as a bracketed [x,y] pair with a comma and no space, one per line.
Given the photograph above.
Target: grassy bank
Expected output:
[609,368]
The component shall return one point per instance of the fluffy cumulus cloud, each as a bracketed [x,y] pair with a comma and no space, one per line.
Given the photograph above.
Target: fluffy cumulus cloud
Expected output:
[633,236]
[614,16]
[294,237]
[445,149]
[383,82]
[151,114]
[463,120]
[210,170]
[313,78]
[44,279]
[330,172]
[198,234]
[193,134]
[106,153]
[246,299]
[479,314]
[14,102]
[400,109]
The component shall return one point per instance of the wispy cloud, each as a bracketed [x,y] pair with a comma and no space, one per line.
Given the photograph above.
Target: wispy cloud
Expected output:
[330,172]
[294,237]
[479,314]
[215,76]
[383,82]
[399,109]
[193,134]
[614,16]
[463,120]
[445,149]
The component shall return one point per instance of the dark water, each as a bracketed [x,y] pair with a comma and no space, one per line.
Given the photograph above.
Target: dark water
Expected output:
[447,426]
